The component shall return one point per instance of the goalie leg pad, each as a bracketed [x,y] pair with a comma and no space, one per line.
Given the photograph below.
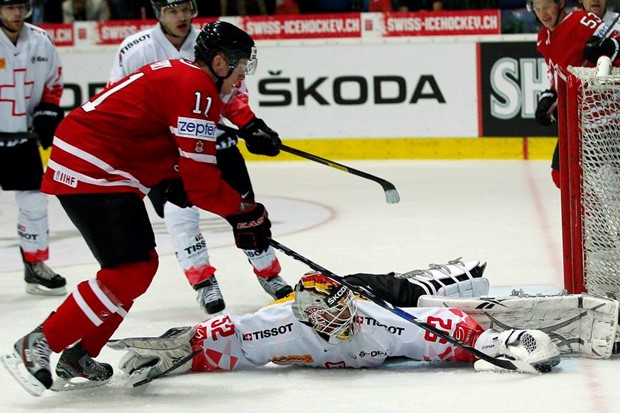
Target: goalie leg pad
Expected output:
[580,324]
[454,279]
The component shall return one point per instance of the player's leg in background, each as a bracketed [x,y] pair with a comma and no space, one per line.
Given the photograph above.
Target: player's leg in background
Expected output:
[190,248]
[22,172]
[265,263]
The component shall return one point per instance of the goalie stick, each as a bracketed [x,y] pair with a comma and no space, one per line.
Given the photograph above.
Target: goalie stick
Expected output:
[514,365]
[391,194]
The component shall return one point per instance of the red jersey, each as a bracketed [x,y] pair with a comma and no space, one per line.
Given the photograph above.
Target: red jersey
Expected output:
[157,123]
[564,46]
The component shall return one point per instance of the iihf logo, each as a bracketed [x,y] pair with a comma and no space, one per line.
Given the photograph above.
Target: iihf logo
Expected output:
[199,147]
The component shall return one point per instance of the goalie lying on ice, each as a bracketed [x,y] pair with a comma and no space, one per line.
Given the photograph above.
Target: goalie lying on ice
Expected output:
[325,325]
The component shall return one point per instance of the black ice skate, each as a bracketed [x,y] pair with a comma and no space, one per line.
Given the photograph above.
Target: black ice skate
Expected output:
[76,369]
[42,280]
[210,296]
[275,286]
[29,363]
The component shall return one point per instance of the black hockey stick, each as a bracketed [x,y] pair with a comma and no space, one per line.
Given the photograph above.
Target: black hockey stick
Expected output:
[391,194]
[515,365]
[170,369]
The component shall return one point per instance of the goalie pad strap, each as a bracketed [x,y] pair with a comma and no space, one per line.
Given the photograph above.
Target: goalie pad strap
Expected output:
[577,323]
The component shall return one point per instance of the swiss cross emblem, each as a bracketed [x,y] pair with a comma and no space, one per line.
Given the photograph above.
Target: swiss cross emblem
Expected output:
[16,96]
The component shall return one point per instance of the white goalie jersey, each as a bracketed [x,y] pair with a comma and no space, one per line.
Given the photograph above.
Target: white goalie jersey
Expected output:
[273,334]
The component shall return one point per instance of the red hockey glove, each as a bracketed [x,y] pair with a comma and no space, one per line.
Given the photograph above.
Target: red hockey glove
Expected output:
[251,227]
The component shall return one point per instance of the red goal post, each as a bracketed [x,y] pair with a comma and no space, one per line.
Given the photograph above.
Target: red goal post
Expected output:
[589,130]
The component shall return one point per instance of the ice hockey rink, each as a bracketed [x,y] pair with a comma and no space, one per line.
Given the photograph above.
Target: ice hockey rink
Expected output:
[504,212]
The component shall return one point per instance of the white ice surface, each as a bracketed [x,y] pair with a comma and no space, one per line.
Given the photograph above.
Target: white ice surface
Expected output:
[504,212]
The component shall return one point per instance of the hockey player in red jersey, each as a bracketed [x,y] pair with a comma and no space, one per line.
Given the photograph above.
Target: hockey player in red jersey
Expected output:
[568,39]
[157,123]
[174,37]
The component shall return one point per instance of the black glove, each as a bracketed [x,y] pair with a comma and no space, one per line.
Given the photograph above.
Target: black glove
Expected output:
[595,49]
[260,138]
[251,227]
[45,119]
[171,190]
[545,102]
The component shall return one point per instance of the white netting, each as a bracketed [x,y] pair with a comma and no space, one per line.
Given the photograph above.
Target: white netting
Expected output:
[598,111]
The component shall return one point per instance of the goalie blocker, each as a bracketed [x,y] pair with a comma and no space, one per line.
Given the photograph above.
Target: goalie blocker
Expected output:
[578,324]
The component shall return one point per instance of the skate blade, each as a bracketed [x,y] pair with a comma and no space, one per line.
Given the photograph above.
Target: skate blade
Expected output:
[79,383]
[16,368]
[37,289]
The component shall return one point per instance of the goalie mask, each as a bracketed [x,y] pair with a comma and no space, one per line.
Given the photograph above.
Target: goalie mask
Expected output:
[160,4]
[326,306]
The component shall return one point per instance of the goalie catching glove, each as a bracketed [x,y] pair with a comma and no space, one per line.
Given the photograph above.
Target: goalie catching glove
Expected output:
[532,346]
[251,227]
[260,139]
[150,356]
[596,48]
[45,120]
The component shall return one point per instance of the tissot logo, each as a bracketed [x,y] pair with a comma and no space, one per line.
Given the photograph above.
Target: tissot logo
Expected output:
[347,90]
[372,322]
[271,332]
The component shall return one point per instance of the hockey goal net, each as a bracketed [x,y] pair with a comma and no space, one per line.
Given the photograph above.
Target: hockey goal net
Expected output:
[589,133]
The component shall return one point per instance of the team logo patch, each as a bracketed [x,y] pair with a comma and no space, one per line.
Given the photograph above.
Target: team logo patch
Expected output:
[200,147]
[2,63]
[304,359]
[196,128]
[65,179]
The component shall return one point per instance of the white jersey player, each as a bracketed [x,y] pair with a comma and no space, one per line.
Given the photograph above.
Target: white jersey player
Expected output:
[325,325]
[174,38]
[30,90]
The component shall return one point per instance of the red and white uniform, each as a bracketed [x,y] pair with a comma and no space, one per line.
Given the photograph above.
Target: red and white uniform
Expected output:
[30,74]
[183,224]
[273,334]
[145,134]
[564,46]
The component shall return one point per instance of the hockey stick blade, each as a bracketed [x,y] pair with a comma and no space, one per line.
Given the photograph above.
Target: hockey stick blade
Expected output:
[514,365]
[170,369]
[391,194]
